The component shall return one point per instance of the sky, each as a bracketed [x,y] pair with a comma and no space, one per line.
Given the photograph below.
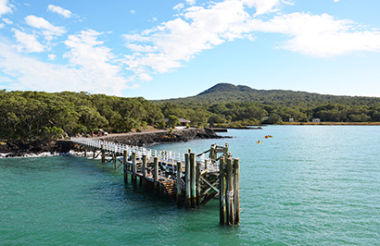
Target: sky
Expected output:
[160,49]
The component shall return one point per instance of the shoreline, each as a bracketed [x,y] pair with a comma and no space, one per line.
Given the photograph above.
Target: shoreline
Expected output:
[330,123]
[19,148]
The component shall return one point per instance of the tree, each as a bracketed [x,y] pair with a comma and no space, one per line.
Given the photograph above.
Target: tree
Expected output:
[173,121]
[274,118]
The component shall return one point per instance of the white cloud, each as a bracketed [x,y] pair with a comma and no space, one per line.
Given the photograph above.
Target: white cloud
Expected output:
[132,11]
[89,68]
[336,1]
[180,39]
[319,35]
[179,6]
[95,59]
[48,30]
[264,6]
[168,45]
[59,10]
[5,7]
[2,25]
[27,42]
[51,56]
[7,21]
[191,2]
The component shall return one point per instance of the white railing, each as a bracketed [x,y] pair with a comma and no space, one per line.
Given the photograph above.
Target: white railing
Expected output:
[169,156]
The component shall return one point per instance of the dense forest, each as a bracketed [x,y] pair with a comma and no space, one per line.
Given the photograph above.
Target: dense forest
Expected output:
[47,115]
[26,115]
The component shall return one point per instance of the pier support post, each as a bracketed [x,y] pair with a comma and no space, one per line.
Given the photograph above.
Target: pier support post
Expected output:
[155,168]
[236,192]
[230,193]
[114,160]
[222,192]
[134,169]
[193,180]
[103,154]
[143,169]
[85,152]
[125,161]
[187,181]
[179,183]
[198,185]
[93,153]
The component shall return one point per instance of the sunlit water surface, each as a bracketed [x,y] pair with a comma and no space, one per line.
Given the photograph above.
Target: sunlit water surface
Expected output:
[309,185]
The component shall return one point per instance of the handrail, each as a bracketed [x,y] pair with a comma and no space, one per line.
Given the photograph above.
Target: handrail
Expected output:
[169,156]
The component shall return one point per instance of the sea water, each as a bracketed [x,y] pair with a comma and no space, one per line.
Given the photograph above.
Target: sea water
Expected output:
[308,185]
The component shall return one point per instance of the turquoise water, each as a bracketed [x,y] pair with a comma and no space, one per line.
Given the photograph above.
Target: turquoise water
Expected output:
[309,185]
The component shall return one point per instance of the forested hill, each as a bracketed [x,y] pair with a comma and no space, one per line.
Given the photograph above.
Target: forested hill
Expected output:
[43,116]
[225,92]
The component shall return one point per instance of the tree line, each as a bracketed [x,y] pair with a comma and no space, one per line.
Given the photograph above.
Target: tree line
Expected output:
[46,115]
[30,114]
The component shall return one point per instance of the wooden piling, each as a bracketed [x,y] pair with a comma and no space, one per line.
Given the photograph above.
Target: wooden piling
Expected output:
[155,169]
[222,192]
[114,159]
[103,154]
[94,153]
[236,192]
[187,181]
[230,193]
[125,160]
[85,152]
[193,180]
[179,183]
[161,190]
[134,169]
[144,172]
[198,184]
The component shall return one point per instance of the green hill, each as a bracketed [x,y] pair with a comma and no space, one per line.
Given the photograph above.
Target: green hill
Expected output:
[225,92]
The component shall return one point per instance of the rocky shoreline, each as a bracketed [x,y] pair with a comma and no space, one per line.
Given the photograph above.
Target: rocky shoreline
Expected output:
[19,148]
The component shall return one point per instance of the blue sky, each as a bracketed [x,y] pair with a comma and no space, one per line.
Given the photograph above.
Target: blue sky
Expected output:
[161,49]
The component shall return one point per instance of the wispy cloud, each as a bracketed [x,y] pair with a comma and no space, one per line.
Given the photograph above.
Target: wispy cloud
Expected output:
[179,6]
[8,21]
[48,30]
[59,10]
[5,7]
[27,42]
[191,2]
[170,44]
[319,35]
[92,67]
[51,56]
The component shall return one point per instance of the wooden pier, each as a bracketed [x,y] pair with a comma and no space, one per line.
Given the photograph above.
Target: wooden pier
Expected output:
[188,179]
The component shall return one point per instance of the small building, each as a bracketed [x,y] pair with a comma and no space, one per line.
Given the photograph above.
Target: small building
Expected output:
[316,120]
[183,122]
[291,119]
